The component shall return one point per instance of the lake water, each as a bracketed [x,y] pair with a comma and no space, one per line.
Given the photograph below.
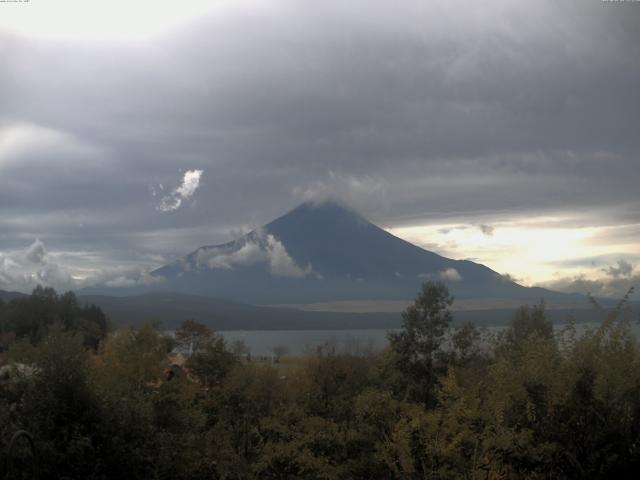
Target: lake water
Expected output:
[297,342]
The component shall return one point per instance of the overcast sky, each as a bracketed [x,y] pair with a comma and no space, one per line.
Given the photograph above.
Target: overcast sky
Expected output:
[504,132]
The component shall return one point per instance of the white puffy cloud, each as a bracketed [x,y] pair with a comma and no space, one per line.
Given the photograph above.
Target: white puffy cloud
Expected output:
[256,248]
[447,275]
[280,263]
[54,274]
[23,270]
[10,274]
[186,190]
[36,253]
[450,275]
[248,254]
[507,277]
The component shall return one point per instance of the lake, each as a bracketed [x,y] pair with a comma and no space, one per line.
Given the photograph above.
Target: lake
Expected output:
[297,342]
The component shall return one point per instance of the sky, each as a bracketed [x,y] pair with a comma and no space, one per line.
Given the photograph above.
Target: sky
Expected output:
[504,132]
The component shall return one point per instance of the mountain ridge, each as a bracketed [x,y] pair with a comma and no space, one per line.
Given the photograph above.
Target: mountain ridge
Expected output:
[172,308]
[7,296]
[324,251]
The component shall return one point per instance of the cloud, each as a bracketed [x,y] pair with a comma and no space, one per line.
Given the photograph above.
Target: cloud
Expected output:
[486,229]
[507,277]
[23,270]
[450,275]
[36,253]
[280,263]
[10,275]
[257,247]
[599,287]
[418,112]
[131,278]
[624,269]
[362,192]
[447,275]
[173,201]
[615,284]
[248,254]
[55,275]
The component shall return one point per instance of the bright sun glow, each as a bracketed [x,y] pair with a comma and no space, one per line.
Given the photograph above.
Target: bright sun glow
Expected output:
[118,20]
[531,254]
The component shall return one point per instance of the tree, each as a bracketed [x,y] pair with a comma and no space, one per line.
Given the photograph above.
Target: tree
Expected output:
[529,321]
[32,317]
[193,336]
[279,351]
[417,347]
[465,341]
[60,408]
[213,362]
[240,348]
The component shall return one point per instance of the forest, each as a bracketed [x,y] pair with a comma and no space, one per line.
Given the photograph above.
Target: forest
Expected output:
[443,401]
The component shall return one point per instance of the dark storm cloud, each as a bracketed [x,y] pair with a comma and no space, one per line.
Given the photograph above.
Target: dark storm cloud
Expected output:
[409,111]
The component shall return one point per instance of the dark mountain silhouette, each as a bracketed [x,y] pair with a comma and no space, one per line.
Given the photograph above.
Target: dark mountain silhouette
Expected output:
[6,296]
[322,252]
[172,308]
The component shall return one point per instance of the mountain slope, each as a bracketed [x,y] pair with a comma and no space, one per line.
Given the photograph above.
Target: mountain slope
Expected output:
[6,296]
[171,308]
[326,252]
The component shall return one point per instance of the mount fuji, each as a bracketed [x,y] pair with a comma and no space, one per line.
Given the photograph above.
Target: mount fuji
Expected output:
[326,252]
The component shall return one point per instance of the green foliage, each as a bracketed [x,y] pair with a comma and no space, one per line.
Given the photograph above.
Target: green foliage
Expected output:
[32,317]
[332,382]
[212,362]
[440,403]
[465,342]
[528,321]
[192,336]
[418,346]
[61,409]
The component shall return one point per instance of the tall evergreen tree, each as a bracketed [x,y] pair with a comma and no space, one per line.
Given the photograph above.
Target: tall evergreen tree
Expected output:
[417,346]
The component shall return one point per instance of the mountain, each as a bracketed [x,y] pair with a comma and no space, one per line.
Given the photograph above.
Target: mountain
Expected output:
[322,252]
[172,308]
[6,296]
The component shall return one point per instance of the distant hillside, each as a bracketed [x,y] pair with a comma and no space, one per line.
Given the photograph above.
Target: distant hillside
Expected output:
[8,296]
[170,309]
